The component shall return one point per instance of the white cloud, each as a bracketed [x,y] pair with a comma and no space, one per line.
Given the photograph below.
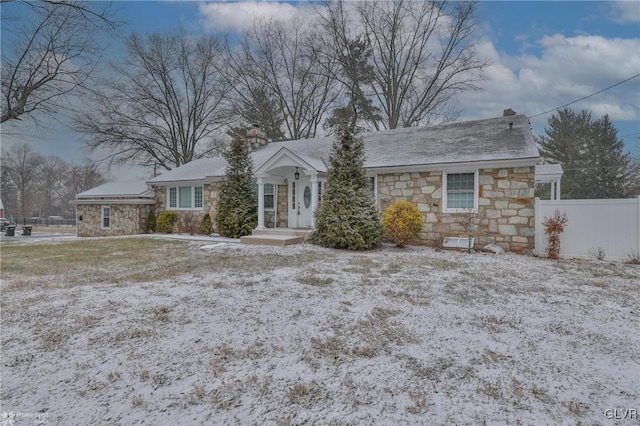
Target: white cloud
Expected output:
[567,69]
[240,16]
[625,12]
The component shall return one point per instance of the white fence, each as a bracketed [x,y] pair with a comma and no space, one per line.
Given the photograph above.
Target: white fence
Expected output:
[612,225]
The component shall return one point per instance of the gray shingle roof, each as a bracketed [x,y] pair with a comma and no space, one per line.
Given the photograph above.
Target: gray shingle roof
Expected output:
[118,189]
[457,142]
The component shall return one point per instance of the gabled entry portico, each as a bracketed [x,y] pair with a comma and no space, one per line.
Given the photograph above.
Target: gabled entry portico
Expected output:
[303,176]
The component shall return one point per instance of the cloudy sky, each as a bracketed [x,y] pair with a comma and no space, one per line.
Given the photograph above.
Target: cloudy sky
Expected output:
[544,54]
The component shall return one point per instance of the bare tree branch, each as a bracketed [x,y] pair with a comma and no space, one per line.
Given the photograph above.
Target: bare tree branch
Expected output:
[413,57]
[21,163]
[51,51]
[274,62]
[167,102]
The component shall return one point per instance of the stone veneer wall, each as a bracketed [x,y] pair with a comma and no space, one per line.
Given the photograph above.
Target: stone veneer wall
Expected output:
[189,220]
[505,214]
[283,205]
[126,219]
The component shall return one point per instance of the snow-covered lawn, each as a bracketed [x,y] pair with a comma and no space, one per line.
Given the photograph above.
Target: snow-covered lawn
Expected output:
[146,331]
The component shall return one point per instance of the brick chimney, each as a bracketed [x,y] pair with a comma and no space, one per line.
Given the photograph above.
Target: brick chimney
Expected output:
[256,137]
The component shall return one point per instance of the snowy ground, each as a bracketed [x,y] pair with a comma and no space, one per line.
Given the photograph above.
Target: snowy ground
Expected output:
[145,331]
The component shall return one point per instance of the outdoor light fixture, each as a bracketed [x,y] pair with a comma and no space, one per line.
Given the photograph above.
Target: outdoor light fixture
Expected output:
[297,174]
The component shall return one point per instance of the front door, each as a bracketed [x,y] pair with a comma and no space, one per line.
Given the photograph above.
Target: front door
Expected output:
[300,203]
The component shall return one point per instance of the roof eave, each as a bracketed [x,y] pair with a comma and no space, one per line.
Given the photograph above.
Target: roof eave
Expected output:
[199,181]
[452,166]
[107,200]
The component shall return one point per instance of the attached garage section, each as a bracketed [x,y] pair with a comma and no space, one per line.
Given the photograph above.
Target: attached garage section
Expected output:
[115,208]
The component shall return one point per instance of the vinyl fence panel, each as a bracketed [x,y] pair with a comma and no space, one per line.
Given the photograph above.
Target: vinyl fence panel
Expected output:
[612,225]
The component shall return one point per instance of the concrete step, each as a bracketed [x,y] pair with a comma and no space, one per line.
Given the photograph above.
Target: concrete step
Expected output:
[305,233]
[272,240]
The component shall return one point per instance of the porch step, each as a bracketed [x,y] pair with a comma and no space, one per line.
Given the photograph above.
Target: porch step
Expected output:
[304,233]
[272,240]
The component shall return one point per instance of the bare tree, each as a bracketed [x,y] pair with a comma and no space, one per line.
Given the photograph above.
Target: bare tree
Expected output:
[50,49]
[9,194]
[406,59]
[166,103]
[22,164]
[274,63]
[32,182]
[79,178]
[50,182]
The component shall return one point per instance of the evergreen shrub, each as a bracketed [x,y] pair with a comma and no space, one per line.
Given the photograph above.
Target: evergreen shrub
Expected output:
[401,222]
[205,225]
[150,225]
[237,213]
[347,218]
[165,221]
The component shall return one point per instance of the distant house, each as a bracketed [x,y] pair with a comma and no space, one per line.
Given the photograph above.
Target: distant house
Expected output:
[481,170]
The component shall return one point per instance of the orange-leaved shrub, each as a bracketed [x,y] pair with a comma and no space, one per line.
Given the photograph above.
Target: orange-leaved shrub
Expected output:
[401,222]
[553,227]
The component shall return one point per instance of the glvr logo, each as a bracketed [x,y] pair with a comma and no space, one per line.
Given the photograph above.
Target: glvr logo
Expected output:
[621,414]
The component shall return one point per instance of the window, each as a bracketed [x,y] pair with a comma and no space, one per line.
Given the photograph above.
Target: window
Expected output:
[106,217]
[372,186]
[460,194]
[173,197]
[268,196]
[307,197]
[185,197]
[197,197]
[319,192]
[293,195]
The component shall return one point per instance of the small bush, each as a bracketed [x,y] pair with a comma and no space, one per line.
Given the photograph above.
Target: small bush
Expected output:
[599,253]
[150,225]
[165,221]
[633,257]
[188,223]
[401,222]
[205,225]
[554,226]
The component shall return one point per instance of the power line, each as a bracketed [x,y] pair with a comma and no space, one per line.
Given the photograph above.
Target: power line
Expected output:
[586,97]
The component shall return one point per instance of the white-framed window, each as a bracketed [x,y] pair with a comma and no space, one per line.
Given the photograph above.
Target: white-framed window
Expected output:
[106,217]
[269,197]
[372,186]
[185,197]
[173,198]
[460,192]
[319,192]
[197,197]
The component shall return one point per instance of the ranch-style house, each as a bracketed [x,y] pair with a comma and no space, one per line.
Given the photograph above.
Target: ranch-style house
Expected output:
[479,171]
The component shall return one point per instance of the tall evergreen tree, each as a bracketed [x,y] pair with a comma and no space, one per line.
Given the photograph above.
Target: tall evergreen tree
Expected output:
[590,153]
[347,218]
[237,206]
